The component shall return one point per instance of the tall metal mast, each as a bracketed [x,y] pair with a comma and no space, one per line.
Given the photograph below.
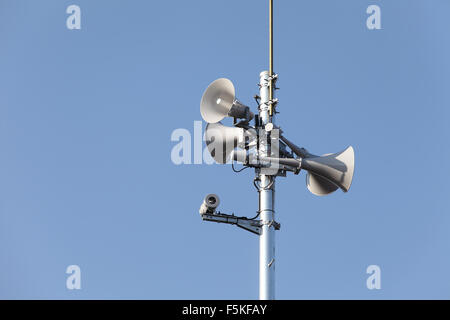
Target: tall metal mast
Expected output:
[267,182]
[264,148]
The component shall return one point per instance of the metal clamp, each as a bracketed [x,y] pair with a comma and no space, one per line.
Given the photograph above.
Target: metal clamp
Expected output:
[272,102]
[268,80]
[273,223]
[273,77]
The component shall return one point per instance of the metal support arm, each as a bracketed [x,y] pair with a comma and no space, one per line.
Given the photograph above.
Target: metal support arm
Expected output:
[254,226]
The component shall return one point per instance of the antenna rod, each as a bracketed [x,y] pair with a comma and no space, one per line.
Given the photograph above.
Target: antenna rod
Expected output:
[271,55]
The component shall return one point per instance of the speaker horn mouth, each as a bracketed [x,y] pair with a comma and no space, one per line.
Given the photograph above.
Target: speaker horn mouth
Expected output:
[222,140]
[336,168]
[318,185]
[219,101]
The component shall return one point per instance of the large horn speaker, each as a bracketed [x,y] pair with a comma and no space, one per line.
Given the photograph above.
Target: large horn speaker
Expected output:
[328,172]
[222,140]
[318,182]
[219,101]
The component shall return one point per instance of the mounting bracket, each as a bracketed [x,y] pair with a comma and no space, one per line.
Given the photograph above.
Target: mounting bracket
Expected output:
[254,226]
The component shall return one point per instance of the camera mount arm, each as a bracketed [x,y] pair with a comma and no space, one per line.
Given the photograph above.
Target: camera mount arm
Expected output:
[254,226]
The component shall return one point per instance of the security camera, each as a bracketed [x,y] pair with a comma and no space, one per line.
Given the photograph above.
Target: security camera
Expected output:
[209,204]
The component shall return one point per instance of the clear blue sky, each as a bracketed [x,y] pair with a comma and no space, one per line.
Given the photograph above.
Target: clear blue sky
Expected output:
[86,176]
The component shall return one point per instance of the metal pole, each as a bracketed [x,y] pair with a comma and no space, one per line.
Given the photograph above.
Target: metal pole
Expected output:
[266,202]
[267,182]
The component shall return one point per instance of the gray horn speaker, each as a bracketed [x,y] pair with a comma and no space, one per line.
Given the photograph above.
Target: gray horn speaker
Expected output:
[219,101]
[222,140]
[328,172]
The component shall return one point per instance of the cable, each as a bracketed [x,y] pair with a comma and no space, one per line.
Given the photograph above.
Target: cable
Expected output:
[272,180]
[245,218]
[254,183]
[254,216]
[237,171]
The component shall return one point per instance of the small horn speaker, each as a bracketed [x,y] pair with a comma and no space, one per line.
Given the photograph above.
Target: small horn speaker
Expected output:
[222,140]
[219,101]
[328,172]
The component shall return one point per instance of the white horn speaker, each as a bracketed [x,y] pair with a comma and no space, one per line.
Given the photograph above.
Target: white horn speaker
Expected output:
[219,101]
[317,183]
[328,172]
[222,140]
